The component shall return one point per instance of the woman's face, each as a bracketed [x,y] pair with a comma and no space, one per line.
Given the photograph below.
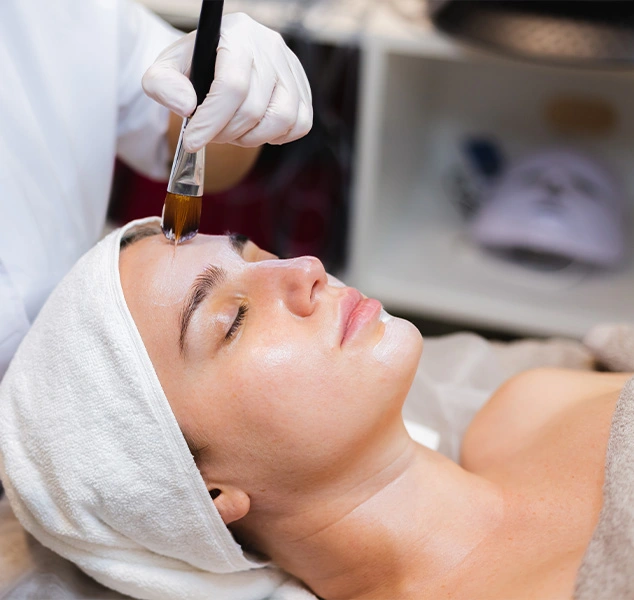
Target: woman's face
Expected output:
[276,371]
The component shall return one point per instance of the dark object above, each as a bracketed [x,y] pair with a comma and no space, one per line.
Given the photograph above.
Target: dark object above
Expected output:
[579,33]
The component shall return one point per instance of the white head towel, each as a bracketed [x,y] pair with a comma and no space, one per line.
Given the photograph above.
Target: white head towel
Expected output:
[93,460]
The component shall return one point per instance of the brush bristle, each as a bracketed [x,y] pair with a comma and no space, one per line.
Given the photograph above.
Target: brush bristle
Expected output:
[181,217]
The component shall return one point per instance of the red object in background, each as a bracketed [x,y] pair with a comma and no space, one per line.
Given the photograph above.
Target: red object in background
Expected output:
[292,219]
[240,210]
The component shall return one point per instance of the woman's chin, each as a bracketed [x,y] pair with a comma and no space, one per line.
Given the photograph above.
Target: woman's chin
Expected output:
[401,344]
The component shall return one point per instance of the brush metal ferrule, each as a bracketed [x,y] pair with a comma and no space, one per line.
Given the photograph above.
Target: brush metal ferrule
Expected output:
[188,169]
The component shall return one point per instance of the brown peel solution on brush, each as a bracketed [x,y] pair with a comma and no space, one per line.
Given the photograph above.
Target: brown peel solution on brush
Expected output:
[183,203]
[181,217]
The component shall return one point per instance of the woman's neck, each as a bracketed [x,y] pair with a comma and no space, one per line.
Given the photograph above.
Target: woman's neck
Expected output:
[417,520]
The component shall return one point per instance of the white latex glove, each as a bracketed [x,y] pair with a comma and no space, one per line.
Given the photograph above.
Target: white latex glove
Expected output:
[260,92]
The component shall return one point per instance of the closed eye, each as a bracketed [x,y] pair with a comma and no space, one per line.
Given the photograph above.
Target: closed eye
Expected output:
[237,323]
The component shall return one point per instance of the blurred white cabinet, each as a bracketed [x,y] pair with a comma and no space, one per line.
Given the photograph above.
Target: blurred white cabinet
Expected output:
[419,97]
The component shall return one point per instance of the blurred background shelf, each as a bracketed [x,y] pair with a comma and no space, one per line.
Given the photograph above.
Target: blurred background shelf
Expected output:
[421,264]
[419,96]
[402,23]
[408,242]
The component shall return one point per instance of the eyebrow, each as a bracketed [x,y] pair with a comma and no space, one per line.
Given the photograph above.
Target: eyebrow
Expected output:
[238,241]
[208,279]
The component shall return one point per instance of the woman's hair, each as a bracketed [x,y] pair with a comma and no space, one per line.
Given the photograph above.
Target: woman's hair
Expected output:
[134,234]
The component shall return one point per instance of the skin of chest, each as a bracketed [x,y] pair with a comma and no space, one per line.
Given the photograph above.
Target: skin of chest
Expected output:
[543,437]
[543,412]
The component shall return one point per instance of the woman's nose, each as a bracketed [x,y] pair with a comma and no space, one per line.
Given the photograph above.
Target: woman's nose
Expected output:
[300,280]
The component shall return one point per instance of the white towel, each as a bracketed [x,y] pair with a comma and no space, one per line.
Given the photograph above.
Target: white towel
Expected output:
[94,463]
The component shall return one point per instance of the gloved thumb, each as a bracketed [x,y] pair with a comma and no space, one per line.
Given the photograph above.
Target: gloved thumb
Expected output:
[166,80]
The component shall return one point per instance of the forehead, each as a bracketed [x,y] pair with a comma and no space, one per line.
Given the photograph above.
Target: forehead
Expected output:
[154,270]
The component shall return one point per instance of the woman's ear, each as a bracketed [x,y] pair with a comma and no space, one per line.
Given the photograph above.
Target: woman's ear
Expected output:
[232,503]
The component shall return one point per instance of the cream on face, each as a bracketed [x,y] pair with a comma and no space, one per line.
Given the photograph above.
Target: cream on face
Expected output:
[396,333]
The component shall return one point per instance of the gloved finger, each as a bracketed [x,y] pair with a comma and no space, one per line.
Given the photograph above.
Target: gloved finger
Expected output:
[304,119]
[171,89]
[279,118]
[302,80]
[166,80]
[228,91]
[304,122]
[252,110]
[302,126]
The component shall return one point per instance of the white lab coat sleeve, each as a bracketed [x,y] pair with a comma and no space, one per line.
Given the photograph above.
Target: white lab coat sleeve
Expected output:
[14,322]
[142,123]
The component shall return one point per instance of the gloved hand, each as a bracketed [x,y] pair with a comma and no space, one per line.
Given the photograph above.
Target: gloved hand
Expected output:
[260,92]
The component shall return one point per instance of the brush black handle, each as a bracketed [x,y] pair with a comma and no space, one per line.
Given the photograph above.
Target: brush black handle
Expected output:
[205,47]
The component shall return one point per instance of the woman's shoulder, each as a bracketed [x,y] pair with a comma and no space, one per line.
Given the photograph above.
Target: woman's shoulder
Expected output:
[526,403]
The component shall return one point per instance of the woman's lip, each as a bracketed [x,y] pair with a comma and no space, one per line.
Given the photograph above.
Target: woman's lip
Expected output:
[348,303]
[357,310]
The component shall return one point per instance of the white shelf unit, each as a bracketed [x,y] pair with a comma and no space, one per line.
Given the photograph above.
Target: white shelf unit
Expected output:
[419,98]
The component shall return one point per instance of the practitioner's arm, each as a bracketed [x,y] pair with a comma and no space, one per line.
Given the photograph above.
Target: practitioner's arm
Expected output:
[225,164]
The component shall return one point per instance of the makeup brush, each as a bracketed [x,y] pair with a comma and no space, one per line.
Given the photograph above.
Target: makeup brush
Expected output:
[183,202]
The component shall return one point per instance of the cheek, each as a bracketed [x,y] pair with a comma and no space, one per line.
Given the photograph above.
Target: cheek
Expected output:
[289,392]
[294,376]
[283,373]
[297,394]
